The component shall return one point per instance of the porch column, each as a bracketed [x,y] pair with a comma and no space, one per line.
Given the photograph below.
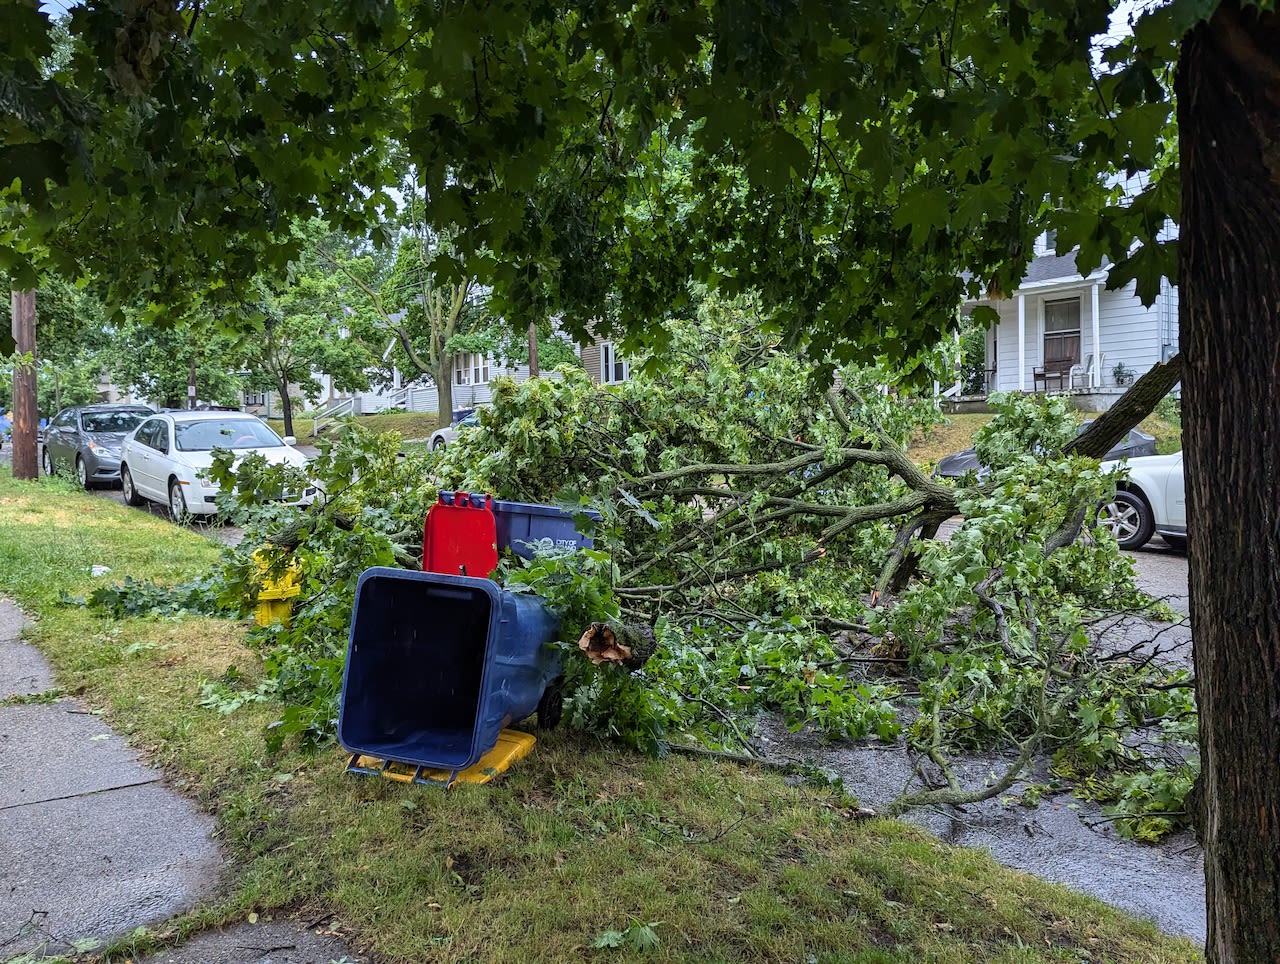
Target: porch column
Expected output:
[959,385]
[1095,376]
[1022,343]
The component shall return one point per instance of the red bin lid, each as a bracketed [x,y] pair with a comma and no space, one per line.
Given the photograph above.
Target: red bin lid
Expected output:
[460,536]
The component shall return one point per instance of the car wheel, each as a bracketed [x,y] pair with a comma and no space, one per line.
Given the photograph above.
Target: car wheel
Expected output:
[1129,519]
[82,473]
[127,488]
[438,445]
[178,503]
[46,462]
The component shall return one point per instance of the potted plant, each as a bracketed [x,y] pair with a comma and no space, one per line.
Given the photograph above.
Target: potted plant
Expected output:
[1122,374]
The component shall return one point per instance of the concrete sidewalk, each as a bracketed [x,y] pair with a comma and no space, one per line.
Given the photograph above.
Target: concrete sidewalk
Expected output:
[93,844]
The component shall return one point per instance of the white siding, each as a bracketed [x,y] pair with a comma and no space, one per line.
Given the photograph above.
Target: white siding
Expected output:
[1129,333]
[424,398]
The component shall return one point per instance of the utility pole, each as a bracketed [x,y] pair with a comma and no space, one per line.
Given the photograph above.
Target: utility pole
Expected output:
[24,385]
[191,385]
[533,349]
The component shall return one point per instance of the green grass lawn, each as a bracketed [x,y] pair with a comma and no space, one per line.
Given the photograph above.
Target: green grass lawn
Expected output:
[580,845]
[955,433]
[410,425]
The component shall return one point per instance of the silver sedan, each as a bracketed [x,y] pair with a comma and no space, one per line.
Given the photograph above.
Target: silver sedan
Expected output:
[87,439]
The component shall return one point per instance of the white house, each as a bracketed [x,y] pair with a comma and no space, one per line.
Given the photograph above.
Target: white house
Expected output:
[1061,331]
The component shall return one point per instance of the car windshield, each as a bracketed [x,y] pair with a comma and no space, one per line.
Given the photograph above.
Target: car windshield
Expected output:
[107,422]
[230,433]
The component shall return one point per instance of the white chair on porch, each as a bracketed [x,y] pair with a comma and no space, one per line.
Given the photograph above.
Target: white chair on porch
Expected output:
[1087,372]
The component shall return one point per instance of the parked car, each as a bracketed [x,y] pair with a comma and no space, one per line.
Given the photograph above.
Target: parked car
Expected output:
[166,458]
[88,438]
[443,437]
[1151,498]
[1135,444]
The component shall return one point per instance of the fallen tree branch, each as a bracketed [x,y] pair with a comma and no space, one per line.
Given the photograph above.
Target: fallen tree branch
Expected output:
[1134,405]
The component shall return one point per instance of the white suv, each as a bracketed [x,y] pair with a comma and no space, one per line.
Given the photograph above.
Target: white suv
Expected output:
[1151,498]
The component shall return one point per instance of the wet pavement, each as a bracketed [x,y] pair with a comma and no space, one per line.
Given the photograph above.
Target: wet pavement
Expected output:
[1064,840]
[94,843]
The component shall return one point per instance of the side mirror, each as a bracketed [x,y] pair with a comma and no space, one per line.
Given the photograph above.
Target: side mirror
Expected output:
[291,440]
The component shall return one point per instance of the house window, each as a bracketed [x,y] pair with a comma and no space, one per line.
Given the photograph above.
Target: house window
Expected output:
[471,368]
[1061,334]
[612,367]
[1046,243]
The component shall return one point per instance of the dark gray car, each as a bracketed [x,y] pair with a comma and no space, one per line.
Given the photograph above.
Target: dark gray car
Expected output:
[1132,445]
[87,439]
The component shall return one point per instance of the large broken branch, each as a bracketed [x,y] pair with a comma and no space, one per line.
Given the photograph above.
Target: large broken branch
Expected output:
[1134,405]
[630,644]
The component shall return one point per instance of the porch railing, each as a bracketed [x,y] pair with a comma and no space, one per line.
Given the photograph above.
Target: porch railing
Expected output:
[332,411]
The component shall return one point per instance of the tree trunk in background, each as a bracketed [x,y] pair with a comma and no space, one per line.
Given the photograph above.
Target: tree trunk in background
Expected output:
[1228,95]
[443,376]
[533,350]
[25,413]
[286,406]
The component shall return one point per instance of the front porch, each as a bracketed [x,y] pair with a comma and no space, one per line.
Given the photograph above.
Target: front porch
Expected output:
[1084,399]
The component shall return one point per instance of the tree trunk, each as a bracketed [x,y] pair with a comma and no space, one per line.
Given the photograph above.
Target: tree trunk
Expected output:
[1228,95]
[25,411]
[286,407]
[533,350]
[443,376]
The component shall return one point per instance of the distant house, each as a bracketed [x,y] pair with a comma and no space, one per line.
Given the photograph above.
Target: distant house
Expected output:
[473,377]
[604,364]
[1061,331]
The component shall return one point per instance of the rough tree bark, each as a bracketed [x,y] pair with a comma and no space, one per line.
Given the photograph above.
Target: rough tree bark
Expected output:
[23,432]
[1228,94]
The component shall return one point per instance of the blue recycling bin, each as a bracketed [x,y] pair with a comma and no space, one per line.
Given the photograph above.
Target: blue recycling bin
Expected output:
[437,665]
[522,523]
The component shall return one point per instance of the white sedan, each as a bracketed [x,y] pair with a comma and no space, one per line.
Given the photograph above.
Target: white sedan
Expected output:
[167,458]
[443,437]
[1151,498]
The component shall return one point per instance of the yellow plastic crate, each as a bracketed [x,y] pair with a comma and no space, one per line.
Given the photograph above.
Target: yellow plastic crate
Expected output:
[512,745]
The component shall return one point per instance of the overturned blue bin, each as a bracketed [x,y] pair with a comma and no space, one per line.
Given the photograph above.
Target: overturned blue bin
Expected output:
[437,665]
[520,524]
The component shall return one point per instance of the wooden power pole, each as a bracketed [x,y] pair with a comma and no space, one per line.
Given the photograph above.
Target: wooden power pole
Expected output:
[533,350]
[25,413]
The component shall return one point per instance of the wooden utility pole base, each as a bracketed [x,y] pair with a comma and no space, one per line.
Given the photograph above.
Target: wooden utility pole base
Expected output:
[25,413]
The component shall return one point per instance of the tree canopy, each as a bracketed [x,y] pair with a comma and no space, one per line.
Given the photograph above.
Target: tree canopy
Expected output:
[863,168]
